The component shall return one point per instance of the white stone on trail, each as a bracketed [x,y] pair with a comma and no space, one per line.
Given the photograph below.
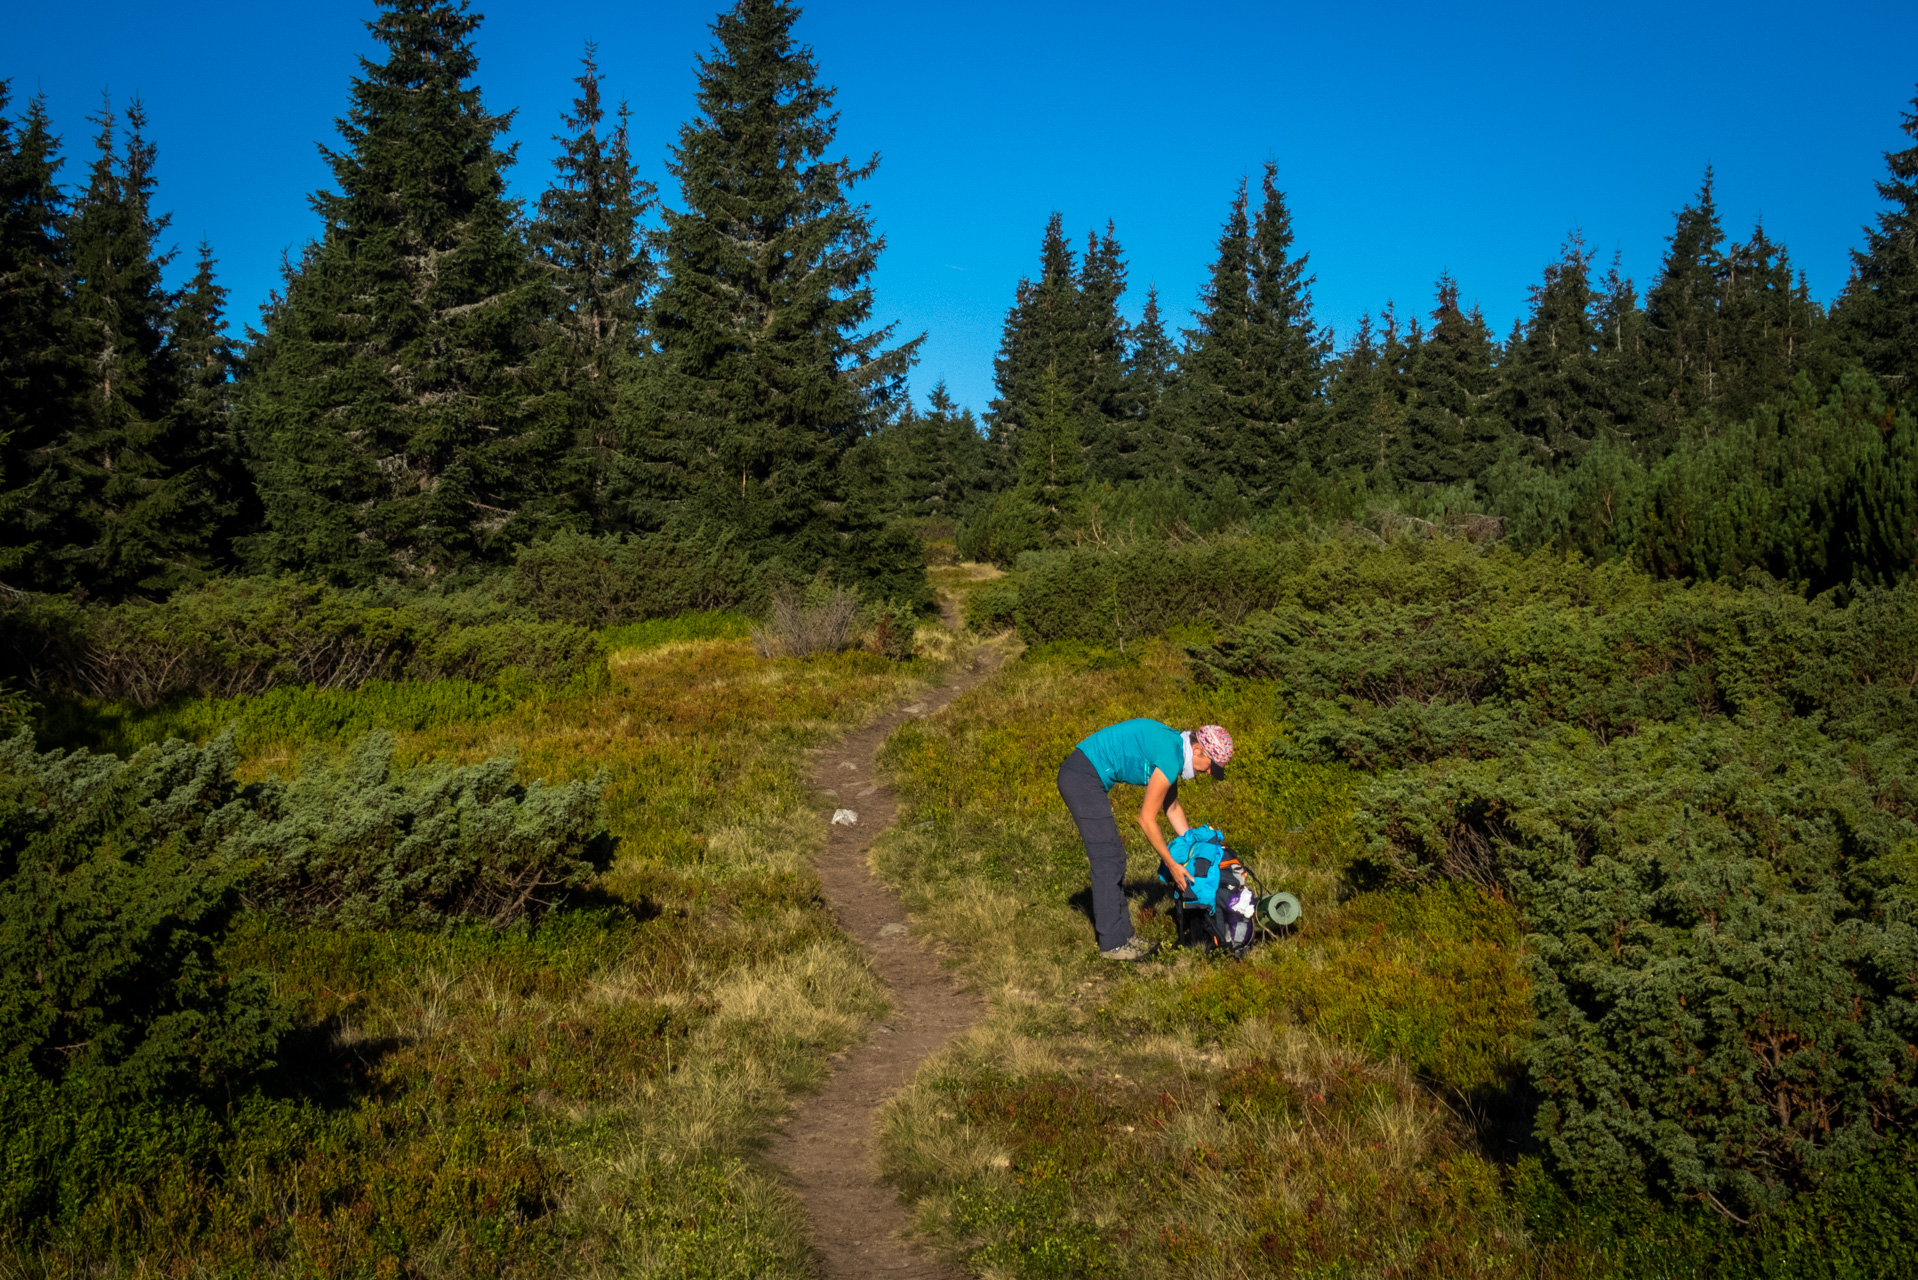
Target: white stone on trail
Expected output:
[892,930]
[844,818]
[916,709]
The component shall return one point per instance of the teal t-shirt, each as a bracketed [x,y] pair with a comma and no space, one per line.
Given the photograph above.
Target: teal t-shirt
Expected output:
[1130,750]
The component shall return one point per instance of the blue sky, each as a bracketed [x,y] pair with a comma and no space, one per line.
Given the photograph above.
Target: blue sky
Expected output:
[1410,138]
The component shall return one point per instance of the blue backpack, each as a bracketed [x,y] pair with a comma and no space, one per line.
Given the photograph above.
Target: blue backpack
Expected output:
[1215,909]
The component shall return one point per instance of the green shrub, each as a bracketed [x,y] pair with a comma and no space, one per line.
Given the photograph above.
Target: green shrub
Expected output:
[1861,1223]
[116,881]
[359,844]
[994,607]
[241,637]
[890,628]
[1146,589]
[602,582]
[1704,800]
[512,653]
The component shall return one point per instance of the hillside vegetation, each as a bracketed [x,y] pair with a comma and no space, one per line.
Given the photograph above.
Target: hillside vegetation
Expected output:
[514,989]
[1605,962]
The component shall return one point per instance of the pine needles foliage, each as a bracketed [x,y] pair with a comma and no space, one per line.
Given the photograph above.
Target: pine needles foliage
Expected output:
[1700,798]
[386,404]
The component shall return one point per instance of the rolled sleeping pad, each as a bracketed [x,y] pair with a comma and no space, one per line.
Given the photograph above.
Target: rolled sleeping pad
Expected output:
[1279,909]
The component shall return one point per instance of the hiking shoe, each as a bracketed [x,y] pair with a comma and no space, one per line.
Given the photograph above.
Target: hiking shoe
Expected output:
[1133,949]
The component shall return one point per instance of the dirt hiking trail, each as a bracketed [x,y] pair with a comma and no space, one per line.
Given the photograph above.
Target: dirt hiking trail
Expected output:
[829,1144]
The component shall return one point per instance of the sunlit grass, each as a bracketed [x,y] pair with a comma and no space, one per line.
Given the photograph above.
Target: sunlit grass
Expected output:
[1308,1111]
[583,1096]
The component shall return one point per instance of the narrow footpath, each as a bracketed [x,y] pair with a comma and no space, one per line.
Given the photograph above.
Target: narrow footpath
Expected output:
[829,1144]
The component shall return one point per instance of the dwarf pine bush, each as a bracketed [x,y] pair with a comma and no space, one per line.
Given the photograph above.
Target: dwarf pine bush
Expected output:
[1705,802]
[361,844]
[116,881]
[238,637]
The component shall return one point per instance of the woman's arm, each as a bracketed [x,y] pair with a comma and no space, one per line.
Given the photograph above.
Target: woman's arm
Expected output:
[1155,792]
[1175,814]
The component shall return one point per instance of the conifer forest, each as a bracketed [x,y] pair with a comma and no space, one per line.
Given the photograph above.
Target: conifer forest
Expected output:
[421,709]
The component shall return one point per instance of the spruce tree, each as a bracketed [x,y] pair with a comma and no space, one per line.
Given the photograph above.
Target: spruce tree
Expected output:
[39,373]
[764,376]
[1767,322]
[1052,469]
[1103,399]
[202,436]
[1151,390]
[1256,358]
[592,265]
[1554,387]
[1289,351]
[1043,331]
[1363,420]
[1217,356]
[1877,316]
[139,512]
[932,458]
[1621,359]
[385,407]
[1685,342]
[1453,431]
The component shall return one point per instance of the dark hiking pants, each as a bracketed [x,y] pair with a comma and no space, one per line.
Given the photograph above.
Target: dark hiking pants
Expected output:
[1085,796]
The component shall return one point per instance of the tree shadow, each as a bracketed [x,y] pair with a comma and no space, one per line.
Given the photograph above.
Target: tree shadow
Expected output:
[327,1064]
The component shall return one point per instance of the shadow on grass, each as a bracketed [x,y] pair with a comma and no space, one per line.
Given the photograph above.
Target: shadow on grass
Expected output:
[323,1064]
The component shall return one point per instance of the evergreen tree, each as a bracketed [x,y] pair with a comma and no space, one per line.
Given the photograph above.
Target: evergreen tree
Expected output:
[39,375]
[1052,470]
[1555,390]
[1621,357]
[1256,358]
[1364,416]
[385,406]
[1453,431]
[1151,378]
[1877,316]
[1767,324]
[1684,339]
[1218,353]
[933,457]
[1104,399]
[1289,352]
[591,259]
[1043,331]
[202,436]
[139,519]
[763,379]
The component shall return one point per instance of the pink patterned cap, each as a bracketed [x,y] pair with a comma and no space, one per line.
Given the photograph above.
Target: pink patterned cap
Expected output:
[1215,742]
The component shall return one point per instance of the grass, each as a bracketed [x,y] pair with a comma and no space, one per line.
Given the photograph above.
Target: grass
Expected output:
[1329,1107]
[582,1096]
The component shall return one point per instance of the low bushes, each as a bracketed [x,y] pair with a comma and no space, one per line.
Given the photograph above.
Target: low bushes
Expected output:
[120,879]
[361,844]
[1705,802]
[244,636]
[116,880]
[354,842]
[603,582]
[1111,595]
